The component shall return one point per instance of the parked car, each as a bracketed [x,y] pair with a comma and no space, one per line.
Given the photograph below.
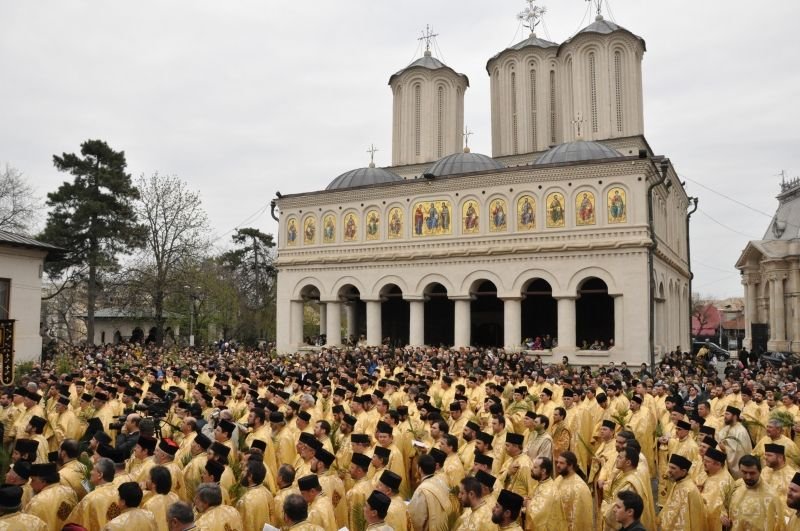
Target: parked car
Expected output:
[779,358]
[713,349]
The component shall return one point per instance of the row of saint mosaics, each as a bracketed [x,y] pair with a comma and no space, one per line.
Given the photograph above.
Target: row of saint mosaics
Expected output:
[435,217]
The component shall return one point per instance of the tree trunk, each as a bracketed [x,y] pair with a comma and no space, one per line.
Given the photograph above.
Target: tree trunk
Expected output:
[159,307]
[91,300]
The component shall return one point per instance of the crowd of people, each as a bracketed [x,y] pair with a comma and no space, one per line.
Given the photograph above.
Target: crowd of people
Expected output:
[403,439]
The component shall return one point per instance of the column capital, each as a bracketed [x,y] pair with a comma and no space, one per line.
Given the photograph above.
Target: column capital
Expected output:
[511,298]
[330,301]
[461,298]
[566,297]
[414,298]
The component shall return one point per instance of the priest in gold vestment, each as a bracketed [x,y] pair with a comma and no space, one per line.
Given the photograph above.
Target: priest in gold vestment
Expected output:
[573,494]
[430,505]
[11,519]
[131,516]
[255,505]
[627,478]
[213,515]
[100,505]
[684,508]
[161,496]
[753,504]
[52,502]
[544,512]
[716,488]
[477,507]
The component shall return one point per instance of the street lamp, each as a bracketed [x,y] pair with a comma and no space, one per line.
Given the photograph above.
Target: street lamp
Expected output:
[193,296]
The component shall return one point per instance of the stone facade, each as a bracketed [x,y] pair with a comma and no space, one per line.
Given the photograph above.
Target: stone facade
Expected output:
[564,248]
[770,270]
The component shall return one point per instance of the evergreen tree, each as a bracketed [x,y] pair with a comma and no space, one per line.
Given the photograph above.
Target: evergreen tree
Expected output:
[93,217]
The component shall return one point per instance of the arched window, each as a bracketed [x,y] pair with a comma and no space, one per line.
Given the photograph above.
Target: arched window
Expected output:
[593,89]
[514,136]
[440,121]
[534,142]
[618,87]
[417,116]
[552,106]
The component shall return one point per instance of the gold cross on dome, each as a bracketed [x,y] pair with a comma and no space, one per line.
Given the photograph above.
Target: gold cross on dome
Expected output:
[578,123]
[372,149]
[532,15]
[428,36]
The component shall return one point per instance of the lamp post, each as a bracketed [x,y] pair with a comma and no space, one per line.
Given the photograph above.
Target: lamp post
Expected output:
[193,296]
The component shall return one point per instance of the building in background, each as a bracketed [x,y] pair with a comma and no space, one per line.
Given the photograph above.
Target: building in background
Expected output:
[574,231]
[770,270]
[22,262]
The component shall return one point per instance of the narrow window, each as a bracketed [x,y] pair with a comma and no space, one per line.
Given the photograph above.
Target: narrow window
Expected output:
[5,296]
[593,90]
[534,142]
[440,122]
[514,136]
[552,106]
[618,82]
[417,124]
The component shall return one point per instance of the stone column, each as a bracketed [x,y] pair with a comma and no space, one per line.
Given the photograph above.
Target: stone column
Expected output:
[296,324]
[334,320]
[750,310]
[566,324]
[416,324]
[462,322]
[512,323]
[619,322]
[779,306]
[350,313]
[795,306]
[323,318]
[374,323]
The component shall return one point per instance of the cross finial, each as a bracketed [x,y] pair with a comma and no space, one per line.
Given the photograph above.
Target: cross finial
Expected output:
[531,16]
[598,6]
[578,122]
[372,149]
[427,36]
[466,134]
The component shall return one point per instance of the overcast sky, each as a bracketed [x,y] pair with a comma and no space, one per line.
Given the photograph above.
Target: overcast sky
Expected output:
[243,98]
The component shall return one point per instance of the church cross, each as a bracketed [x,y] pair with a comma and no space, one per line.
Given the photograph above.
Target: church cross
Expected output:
[532,15]
[598,6]
[578,122]
[372,149]
[466,134]
[428,36]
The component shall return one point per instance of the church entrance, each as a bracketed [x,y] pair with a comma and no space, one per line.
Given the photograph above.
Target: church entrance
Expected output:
[137,336]
[439,316]
[394,316]
[486,312]
[539,312]
[355,314]
[311,327]
[594,315]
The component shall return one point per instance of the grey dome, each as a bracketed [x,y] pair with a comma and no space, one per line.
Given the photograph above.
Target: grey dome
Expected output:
[429,62]
[531,42]
[604,27]
[363,177]
[577,151]
[463,163]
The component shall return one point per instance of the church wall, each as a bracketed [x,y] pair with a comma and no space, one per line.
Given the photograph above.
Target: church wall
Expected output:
[435,138]
[559,253]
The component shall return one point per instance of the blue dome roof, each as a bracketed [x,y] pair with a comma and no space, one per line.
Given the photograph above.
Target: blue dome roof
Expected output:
[463,163]
[577,151]
[363,177]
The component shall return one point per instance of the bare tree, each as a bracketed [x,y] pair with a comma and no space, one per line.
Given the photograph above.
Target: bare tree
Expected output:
[177,228]
[19,205]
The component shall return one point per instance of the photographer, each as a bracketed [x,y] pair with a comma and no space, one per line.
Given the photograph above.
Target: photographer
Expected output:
[129,435]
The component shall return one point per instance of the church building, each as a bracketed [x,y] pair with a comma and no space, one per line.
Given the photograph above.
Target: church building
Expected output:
[770,270]
[571,238]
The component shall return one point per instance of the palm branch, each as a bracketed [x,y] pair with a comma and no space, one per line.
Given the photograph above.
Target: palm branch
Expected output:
[357,516]
[587,446]
[87,470]
[752,423]
[185,460]
[659,430]
[620,418]
[784,417]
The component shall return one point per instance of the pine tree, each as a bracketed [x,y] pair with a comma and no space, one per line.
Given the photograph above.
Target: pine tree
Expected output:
[93,216]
